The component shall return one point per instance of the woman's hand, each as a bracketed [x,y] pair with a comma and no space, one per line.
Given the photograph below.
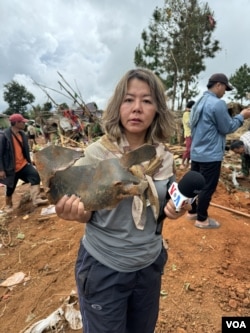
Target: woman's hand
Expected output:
[170,210]
[72,209]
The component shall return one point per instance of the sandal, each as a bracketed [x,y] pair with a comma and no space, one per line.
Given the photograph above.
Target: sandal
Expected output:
[212,224]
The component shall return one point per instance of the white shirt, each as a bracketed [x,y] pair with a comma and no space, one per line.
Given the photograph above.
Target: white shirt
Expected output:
[246,140]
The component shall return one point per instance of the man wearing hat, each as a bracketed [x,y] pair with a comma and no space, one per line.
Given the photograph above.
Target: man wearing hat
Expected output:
[15,162]
[210,123]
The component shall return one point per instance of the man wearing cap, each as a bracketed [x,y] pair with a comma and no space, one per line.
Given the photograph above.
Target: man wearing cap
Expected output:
[15,162]
[210,123]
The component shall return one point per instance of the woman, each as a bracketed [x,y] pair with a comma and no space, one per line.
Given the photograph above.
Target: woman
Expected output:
[187,135]
[121,257]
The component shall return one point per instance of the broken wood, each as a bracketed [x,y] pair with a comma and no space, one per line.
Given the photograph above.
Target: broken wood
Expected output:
[230,210]
[67,139]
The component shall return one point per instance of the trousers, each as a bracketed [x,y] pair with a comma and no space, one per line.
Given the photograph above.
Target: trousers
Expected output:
[211,173]
[117,302]
[28,174]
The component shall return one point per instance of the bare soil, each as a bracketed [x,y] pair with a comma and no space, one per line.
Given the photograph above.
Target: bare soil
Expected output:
[206,277]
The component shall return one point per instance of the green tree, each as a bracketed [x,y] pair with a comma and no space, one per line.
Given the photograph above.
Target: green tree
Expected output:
[176,44]
[37,112]
[47,106]
[241,82]
[63,106]
[18,98]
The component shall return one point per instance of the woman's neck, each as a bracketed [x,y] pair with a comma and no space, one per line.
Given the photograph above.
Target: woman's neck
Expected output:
[135,141]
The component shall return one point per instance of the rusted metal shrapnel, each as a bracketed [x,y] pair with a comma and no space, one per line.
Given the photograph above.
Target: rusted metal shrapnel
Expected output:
[100,186]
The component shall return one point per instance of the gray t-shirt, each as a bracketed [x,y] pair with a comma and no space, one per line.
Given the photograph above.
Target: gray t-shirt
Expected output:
[111,236]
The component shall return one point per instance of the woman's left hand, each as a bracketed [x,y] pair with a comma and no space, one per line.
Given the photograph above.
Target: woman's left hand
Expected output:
[170,210]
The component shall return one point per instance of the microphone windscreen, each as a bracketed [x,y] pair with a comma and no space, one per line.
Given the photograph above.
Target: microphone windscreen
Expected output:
[191,184]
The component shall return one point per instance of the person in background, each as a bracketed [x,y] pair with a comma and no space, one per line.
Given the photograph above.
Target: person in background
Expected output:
[45,130]
[31,135]
[187,135]
[15,162]
[121,256]
[210,123]
[242,147]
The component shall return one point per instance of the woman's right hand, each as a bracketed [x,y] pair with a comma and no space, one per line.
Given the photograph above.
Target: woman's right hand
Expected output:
[72,209]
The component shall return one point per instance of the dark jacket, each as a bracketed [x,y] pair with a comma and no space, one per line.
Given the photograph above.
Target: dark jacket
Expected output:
[7,155]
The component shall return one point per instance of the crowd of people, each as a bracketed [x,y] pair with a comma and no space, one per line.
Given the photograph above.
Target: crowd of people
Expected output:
[122,255]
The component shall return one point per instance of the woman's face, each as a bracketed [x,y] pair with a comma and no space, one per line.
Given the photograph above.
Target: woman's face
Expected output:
[138,108]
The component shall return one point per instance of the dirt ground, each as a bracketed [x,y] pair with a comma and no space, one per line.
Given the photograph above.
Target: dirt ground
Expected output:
[206,277]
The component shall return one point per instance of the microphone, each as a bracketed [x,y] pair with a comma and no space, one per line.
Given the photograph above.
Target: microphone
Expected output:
[187,190]
[183,193]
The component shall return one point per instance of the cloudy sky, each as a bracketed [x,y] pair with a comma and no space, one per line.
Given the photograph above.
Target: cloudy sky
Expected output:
[92,43]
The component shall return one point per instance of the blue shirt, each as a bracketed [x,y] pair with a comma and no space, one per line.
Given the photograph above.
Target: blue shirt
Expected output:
[210,122]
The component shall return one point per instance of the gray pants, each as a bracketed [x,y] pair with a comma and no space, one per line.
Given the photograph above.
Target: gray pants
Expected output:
[116,302]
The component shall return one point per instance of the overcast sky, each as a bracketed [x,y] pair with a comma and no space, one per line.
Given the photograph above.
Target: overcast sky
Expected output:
[92,43]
